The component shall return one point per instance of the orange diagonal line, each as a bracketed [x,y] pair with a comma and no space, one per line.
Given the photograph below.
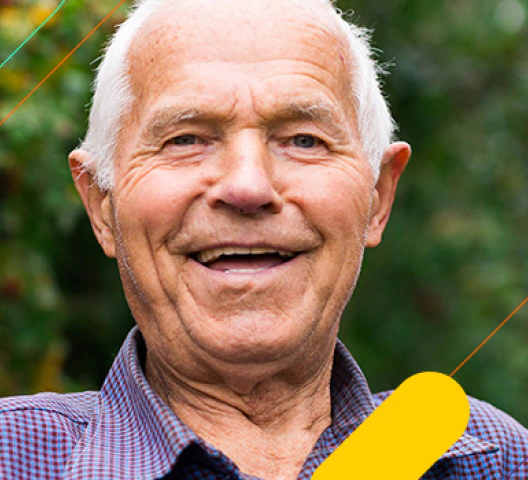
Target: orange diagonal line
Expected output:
[489,336]
[62,61]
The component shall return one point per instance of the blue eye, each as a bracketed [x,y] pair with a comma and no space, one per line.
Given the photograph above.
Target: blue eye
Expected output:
[185,140]
[305,141]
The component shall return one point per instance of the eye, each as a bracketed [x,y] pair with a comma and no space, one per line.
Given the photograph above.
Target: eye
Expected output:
[187,139]
[305,141]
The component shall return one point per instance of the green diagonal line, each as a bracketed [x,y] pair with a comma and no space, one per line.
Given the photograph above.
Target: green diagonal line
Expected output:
[35,31]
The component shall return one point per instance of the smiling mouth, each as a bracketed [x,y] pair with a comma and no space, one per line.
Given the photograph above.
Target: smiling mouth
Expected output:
[242,260]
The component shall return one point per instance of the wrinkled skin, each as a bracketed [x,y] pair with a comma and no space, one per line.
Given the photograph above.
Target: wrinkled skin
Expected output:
[218,150]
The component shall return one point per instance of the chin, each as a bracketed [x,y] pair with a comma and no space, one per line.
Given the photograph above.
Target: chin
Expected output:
[253,340]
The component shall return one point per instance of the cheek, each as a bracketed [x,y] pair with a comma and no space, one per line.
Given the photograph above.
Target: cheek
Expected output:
[150,210]
[157,201]
[336,202]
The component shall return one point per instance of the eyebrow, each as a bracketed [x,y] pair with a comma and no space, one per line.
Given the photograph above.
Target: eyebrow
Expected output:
[166,118]
[320,112]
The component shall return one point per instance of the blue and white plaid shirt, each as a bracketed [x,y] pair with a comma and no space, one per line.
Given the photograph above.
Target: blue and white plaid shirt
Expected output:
[126,431]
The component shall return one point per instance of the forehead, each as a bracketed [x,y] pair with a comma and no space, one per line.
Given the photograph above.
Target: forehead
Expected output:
[256,36]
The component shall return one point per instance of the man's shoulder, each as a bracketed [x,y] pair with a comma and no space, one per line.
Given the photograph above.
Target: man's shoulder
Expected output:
[489,424]
[55,407]
[486,422]
[485,419]
[490,427]
[39,432]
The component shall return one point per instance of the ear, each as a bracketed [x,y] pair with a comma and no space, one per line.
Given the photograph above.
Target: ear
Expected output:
[96,202]
[393,163]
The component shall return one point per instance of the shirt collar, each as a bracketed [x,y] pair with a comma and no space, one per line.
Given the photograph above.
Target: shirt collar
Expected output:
[469,445]
[134,434]
[352,401]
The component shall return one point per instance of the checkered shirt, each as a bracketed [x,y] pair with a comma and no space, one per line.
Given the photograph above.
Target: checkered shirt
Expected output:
[126,431]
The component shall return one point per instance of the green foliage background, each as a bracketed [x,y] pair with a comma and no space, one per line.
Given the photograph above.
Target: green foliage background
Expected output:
[452,264]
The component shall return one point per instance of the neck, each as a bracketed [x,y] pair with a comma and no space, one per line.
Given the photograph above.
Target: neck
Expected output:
[268,429]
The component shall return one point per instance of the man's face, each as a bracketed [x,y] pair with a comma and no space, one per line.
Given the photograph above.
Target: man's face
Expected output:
[242,201]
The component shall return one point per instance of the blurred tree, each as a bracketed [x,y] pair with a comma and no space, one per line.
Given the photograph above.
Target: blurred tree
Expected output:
[59,299]
[451,265]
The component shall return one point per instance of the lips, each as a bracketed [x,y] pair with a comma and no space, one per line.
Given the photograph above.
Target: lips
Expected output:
[242,259]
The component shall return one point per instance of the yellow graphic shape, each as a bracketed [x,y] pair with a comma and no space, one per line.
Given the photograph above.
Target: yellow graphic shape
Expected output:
[405,435]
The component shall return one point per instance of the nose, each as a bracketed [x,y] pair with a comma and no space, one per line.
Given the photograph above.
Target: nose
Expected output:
[246,186]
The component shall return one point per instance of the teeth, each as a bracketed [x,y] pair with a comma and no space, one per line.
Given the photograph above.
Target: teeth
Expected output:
[206,256]
[245,270]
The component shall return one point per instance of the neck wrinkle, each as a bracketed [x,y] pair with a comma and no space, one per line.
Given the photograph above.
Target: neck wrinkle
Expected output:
[273,406]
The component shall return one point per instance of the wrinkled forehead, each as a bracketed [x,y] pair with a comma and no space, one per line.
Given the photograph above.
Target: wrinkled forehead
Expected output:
[235,31]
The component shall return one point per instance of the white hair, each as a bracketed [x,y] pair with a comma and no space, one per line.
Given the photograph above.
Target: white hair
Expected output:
[112,98]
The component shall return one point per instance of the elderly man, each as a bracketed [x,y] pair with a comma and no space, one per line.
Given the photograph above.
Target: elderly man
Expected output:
[237,163]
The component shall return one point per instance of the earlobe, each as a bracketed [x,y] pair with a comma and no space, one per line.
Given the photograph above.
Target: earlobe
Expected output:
[96,202]
[393,164]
